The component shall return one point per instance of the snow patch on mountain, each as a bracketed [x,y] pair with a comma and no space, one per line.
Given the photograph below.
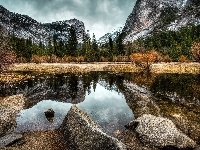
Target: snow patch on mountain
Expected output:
[25,27]
[105,39]
[146,16]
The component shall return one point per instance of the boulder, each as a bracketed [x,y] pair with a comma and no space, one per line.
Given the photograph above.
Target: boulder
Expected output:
[81,132]
[9,108]
[160,132]
[10,139]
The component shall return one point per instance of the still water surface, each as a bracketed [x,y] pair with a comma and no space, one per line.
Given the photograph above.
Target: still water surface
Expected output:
[107,108]
[103,96]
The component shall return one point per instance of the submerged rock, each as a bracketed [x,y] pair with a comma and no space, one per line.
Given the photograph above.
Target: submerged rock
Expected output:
[49,113]
[160,132]
[81,132]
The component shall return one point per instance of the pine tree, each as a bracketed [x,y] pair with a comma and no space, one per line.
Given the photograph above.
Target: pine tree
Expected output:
[111,48]
[95,49]
[86,47]
[72,41]
[119,43]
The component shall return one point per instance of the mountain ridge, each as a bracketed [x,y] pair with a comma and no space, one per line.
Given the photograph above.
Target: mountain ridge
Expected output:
[26,27]
[147,15]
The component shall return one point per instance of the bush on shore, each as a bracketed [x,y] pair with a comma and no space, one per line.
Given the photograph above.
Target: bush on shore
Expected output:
[196,50]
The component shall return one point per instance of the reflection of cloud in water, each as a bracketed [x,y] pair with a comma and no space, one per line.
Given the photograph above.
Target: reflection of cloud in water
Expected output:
[34,119]
[107,108]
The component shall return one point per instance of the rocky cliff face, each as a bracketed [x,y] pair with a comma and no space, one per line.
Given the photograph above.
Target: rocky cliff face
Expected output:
[24,26]
[149,15]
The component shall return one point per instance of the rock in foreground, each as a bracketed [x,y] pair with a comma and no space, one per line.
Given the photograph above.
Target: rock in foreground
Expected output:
[9,108]
[80,132]
[160,132]
[9,139]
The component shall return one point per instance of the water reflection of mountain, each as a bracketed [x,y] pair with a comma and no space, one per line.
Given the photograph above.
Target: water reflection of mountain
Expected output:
[62,88]
[144,93]
[72,88]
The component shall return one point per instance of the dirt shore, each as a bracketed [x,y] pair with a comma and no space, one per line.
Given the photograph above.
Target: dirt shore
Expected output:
[74,67]
[56,68]
[173,67]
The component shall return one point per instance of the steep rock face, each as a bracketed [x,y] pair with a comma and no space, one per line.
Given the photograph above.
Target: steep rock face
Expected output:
[146,16]
[80,132]
[24,26]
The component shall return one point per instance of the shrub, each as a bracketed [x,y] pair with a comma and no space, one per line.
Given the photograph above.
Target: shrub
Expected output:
[136,58]
[147,57]
[55,59]
[21,60]
[79,59]
[114,58]
[182,58]
[196,50]
[166,58]
[67,59]
[122,58]
[35,59]
[104,59]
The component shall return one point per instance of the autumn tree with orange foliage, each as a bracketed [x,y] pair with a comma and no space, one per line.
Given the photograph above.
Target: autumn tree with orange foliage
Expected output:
[196,50]
[145,59]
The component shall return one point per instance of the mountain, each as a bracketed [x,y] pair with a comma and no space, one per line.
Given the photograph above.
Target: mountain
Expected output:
[24,26]
[113,35]
[161,15]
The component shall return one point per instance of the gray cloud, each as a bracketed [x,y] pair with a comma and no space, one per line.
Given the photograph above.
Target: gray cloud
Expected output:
[99,16]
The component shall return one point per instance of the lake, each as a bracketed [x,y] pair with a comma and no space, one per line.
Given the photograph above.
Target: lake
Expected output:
[110,99]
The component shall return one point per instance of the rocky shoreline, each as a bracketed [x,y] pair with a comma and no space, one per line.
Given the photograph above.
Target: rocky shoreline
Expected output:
[78,131]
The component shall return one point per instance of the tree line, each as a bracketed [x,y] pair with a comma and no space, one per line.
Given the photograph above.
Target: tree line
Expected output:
[172,45]
[88,49]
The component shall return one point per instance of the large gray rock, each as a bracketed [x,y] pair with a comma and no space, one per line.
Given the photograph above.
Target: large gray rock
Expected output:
[9,108]
[9,139]
[80,132]
[160,132]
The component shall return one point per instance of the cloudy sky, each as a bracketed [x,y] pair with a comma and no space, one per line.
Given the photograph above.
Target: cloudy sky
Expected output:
[99,16]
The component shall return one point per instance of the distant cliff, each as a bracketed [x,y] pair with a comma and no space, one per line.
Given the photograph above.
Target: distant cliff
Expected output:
[24,26]
[160,15]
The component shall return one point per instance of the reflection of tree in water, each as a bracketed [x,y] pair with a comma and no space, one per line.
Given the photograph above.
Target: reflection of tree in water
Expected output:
[86,78]
[65,86]
[108,81]
[73,86]
[186,86]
